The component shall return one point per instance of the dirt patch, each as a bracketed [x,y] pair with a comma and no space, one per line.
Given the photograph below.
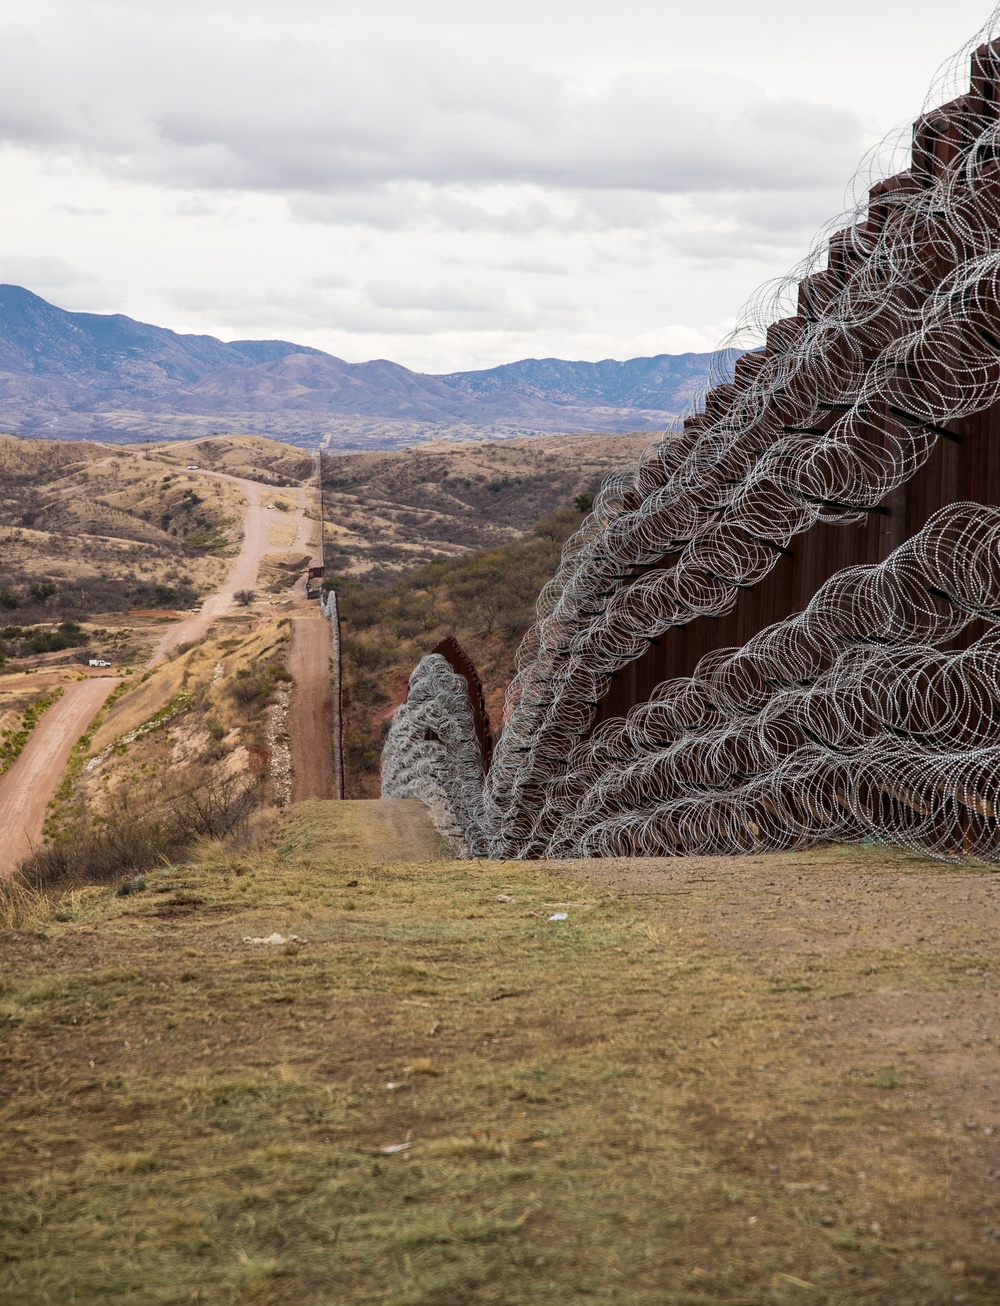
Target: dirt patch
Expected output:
[378,830]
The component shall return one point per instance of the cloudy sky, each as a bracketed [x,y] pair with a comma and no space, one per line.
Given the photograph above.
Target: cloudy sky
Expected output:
[450,185]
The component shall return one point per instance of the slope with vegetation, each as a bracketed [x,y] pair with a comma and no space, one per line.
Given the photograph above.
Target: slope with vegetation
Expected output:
[183,752]
[85,529]
[486,600]
[388,512]
[99,543]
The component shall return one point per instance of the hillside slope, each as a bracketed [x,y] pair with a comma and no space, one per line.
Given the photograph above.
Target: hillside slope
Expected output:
[390,512]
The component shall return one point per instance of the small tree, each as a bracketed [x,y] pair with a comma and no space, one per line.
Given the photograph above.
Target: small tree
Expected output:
[244,597]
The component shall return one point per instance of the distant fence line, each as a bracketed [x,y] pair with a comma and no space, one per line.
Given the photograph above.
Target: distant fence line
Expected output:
[329,608]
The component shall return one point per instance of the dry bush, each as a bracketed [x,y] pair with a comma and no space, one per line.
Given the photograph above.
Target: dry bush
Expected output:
[253,686]
[22,904]
[103,850]
[220,807]
[132,835]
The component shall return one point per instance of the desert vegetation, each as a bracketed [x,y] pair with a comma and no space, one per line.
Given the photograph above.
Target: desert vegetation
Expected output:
[485,599]
[177,756]
[390,512]
[252,456]
[86,529]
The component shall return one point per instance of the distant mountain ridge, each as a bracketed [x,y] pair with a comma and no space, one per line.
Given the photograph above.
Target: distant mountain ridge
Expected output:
[107,376]
[643,383]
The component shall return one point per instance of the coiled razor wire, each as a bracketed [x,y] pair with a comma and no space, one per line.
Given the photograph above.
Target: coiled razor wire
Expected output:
[432,753]
[859,361]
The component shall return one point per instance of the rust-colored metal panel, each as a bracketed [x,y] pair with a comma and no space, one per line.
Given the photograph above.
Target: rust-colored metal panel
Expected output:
[968,469]
[462,665]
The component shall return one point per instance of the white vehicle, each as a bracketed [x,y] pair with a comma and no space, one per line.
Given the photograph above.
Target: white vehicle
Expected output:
[98,662]
[193,467]
[269,506]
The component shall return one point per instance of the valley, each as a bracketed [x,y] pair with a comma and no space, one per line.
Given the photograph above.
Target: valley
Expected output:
[331,1052]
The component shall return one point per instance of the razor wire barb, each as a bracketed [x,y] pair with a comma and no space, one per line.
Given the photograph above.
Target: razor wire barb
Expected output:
[846,720]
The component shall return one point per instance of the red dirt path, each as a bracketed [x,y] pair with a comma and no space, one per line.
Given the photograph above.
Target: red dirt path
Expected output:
[26,788]
[310,720]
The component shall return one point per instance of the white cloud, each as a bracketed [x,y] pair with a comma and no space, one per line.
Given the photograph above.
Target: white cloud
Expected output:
[239,106]
[442,183]
[73,288]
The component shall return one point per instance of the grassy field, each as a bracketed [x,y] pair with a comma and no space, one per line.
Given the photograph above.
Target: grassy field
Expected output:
[771,1080]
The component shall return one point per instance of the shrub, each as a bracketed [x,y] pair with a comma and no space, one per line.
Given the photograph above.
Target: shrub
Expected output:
[217,808]
[102,852]
[128,839]
[253,686]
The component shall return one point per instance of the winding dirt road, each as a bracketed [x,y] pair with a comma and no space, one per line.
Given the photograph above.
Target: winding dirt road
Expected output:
[257,525]
[25,790]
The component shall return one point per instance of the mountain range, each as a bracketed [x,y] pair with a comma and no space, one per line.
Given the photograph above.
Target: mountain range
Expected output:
[109,377]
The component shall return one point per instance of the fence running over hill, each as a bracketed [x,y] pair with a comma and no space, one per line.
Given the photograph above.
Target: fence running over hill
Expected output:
[330,610]
[782,624]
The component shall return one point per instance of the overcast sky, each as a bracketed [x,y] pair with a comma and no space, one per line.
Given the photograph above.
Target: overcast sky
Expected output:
[450,185]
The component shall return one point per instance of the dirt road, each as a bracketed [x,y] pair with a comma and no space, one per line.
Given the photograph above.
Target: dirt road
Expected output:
[310,721]
[26,788]
[258,521]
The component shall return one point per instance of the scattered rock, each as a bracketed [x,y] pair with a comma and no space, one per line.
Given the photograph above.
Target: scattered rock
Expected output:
[275,939]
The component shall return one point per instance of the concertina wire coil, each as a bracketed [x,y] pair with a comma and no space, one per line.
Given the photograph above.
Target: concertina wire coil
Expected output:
[847,719]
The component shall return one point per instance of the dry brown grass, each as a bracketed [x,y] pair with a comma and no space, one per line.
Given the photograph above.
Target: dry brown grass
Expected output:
[252,456]
[104,523]
[672,1097]
[391,511]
